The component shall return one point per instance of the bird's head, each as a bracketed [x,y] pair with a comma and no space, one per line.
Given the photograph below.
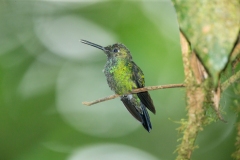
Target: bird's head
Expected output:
[117,50]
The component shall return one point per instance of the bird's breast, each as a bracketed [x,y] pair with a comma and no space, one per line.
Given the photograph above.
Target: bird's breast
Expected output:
[120,77]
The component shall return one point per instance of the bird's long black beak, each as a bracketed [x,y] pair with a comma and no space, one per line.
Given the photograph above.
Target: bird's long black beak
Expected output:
[92,44]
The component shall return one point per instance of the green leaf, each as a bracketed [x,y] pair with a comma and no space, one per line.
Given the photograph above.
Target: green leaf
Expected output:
[212,28]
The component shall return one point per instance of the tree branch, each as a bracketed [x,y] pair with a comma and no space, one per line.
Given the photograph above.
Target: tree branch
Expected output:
[230,81]
[150,88]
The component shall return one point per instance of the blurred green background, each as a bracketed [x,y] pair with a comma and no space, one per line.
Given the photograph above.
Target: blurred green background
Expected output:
[46,74]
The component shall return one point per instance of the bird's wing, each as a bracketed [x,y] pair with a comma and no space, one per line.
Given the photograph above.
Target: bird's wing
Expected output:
[145,98]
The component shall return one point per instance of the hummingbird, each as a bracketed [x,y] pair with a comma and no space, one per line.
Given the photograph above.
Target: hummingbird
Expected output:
[123,75]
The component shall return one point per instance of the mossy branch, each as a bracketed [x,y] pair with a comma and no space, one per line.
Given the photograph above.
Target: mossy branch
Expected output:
[194,77]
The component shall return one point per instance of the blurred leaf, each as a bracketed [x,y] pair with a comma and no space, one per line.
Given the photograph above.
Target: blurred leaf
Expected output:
[211,27]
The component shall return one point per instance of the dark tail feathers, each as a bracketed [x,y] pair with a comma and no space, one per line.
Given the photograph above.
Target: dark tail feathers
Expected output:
[145,118]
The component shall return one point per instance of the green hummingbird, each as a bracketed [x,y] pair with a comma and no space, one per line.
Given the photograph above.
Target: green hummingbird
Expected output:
[123,75]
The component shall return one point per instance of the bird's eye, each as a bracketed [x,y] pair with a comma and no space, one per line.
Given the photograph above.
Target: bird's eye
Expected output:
[115,50]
